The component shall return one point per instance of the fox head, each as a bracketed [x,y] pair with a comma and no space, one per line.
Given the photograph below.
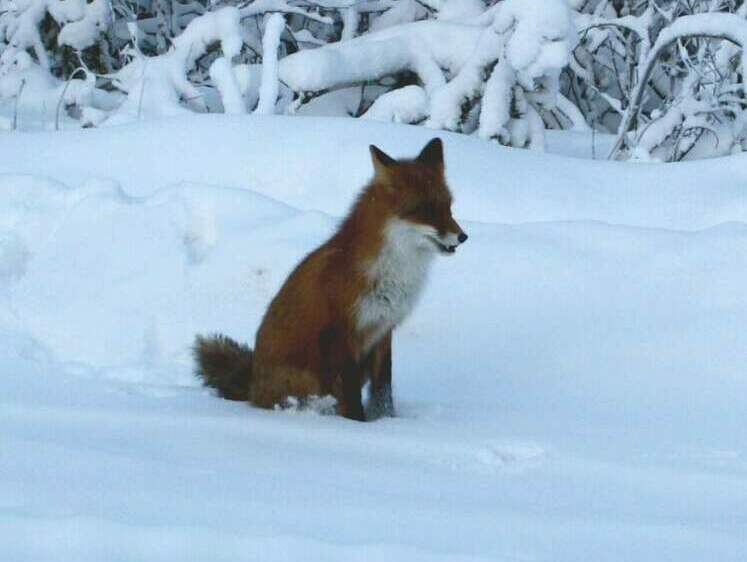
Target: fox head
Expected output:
[418,196]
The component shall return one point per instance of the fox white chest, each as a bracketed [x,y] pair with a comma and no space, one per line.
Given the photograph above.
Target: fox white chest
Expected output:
[396,278]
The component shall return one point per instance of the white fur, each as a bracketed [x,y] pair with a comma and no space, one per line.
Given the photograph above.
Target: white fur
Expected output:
[397,277]
[449,239]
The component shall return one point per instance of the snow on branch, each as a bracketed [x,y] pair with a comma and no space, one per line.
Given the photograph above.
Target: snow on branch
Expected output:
[640,25]
[84,32]
[422,47]
[157,86]
[511,44]
[261,7]
[36,94]
[665,76]
[729,27]
[268,92]
[403,105]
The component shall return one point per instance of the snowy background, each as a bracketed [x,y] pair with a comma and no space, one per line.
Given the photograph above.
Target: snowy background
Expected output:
[663,77]
[571,386]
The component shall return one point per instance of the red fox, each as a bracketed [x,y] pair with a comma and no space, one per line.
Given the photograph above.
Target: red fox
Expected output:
[328,331]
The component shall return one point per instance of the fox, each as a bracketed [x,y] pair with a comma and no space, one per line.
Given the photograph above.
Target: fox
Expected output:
[328,330]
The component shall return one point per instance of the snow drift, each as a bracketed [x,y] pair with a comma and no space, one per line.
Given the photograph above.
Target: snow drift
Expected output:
[570,387]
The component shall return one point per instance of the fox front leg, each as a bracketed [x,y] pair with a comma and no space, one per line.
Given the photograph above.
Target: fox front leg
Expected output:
[352,404]
[380,402]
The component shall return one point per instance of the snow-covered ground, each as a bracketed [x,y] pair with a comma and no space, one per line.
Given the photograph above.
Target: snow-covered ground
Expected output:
[570,388]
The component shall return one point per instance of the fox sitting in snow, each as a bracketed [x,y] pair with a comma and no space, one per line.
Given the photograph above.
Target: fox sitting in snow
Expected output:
[329,328]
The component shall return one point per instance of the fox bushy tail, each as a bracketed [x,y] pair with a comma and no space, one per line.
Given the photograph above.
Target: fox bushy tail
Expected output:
[224,364]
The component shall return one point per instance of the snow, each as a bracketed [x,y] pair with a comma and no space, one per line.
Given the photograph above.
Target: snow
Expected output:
[716,25]
[259,7]
[520,45]
[33,95]
[155,85]
[404,105]
[530,47]
[570,386]
[473,60]
[268,91]
[143,157]
[84,31]
[460,9]
[350,20]
[447,101]
[541,40]
[80,23]
[342,102]
[379,53]
[496,111]
[402,11]
[225,79]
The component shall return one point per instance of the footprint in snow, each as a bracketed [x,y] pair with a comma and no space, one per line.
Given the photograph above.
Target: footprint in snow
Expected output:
[505,454]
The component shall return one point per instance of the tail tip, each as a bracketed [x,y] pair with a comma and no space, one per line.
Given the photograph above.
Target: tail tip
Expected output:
[223,364]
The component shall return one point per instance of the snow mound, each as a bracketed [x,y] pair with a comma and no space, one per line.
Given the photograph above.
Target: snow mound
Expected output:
[567,389]
[490,183]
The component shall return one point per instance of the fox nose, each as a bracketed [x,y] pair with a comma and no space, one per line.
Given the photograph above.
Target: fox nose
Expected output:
[462,238]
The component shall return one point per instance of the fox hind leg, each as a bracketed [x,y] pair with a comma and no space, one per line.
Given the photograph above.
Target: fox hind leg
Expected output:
[276,385]
[343,372]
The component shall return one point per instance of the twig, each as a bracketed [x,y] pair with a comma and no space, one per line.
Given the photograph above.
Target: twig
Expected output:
[140,98]
[62,97]
[15,105]
[662,43]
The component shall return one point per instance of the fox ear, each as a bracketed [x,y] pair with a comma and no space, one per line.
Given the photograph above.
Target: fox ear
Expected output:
[433,153]
[381,160]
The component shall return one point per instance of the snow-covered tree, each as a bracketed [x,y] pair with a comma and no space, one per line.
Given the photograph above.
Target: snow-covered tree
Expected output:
[663,76]
[468,69]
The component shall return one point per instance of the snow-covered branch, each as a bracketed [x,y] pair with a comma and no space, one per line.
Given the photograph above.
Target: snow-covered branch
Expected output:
[157,86]
[261,7]
[511,45]
[729,27]
[665,76]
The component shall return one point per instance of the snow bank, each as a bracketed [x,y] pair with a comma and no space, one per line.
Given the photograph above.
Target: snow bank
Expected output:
[567,389]
[491,184]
